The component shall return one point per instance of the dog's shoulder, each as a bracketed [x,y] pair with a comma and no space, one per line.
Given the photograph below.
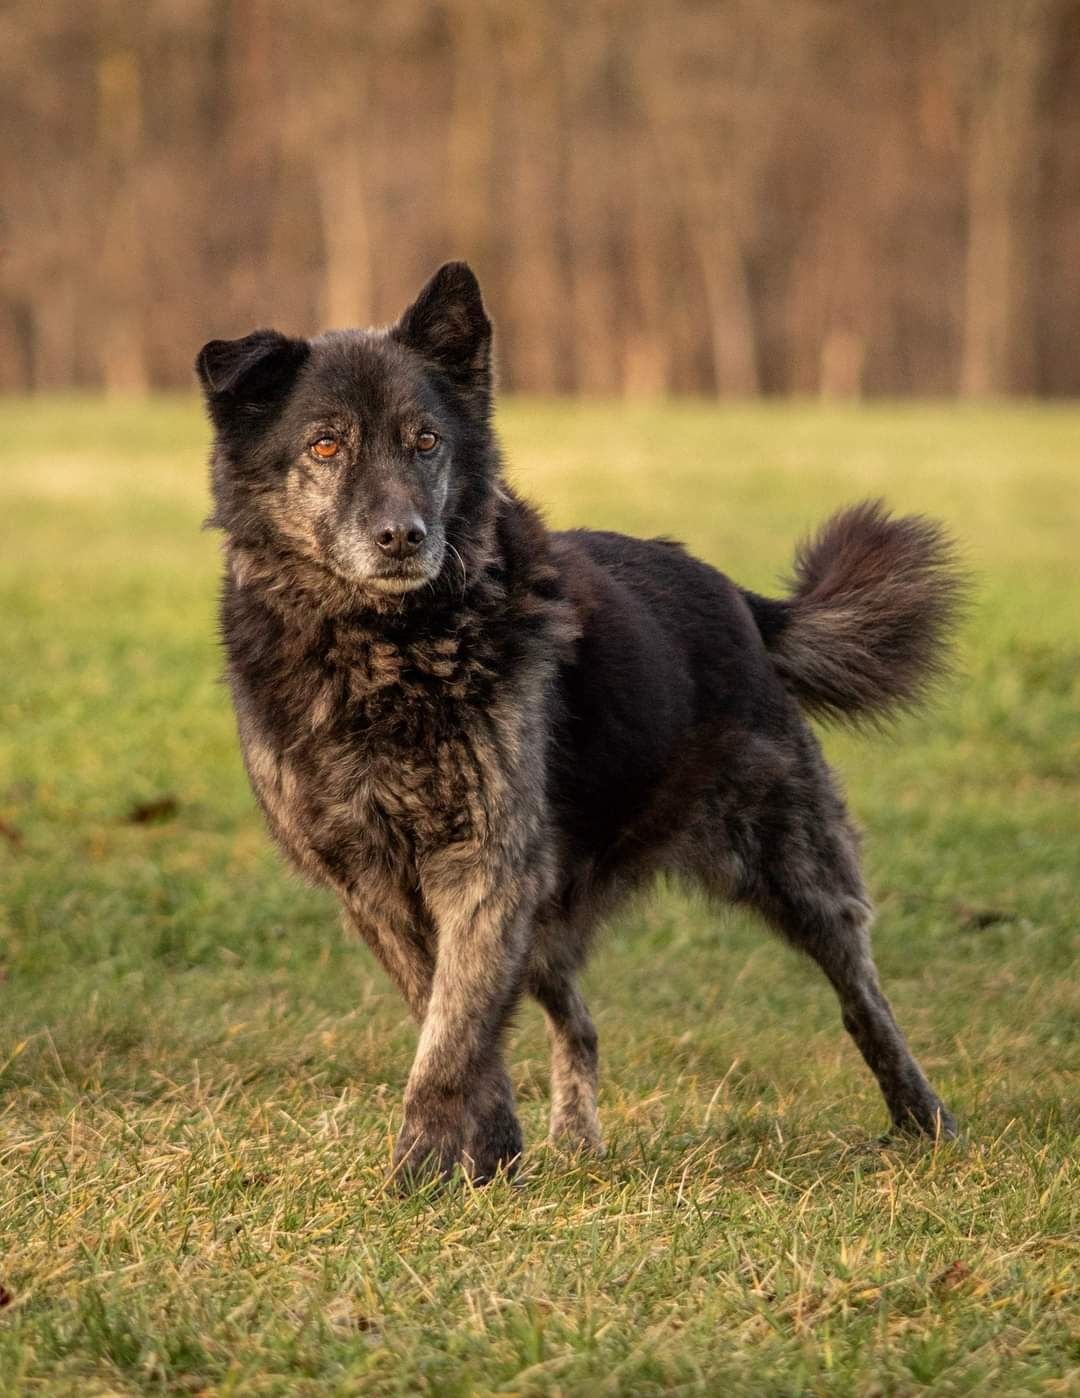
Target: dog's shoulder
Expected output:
[537,605]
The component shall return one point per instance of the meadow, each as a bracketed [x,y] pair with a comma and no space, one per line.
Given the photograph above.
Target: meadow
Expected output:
[200,1075]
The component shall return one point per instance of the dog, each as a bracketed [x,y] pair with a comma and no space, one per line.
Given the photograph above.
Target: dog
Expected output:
[483,735]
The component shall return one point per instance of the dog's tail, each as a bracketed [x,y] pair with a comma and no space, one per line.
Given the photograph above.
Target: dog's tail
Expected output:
[865,630]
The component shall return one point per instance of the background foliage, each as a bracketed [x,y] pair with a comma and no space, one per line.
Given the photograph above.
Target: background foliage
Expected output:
[842,197]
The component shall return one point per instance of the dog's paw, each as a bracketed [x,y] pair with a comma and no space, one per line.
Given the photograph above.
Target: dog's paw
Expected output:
[495,1144]
[576,1133]
[423,1156]
[930,1121]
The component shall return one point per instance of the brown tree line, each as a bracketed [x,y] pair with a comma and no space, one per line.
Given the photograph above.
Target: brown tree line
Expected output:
[733,197]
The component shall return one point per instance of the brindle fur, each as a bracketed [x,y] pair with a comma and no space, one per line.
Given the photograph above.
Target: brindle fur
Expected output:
[483,749]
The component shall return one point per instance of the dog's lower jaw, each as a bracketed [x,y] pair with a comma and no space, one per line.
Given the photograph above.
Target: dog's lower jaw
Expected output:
[393,587]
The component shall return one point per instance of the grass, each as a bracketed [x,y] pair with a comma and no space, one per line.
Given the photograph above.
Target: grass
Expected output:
[200,1077]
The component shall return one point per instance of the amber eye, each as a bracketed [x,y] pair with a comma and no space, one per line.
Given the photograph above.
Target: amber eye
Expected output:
[325,448]
[427,441]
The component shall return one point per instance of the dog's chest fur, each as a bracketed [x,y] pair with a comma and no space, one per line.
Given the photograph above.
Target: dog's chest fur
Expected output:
[371,745]
[370,750]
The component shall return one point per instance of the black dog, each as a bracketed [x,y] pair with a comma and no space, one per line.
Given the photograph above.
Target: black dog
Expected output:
[482,734]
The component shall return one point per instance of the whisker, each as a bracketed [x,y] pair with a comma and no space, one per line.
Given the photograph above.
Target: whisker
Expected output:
[461,565]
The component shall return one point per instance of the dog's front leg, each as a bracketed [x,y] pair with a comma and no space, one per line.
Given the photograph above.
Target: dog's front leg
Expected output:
[406,954]
[457,1104]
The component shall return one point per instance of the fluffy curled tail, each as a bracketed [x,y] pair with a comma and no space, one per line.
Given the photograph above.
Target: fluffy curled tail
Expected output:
[865,630]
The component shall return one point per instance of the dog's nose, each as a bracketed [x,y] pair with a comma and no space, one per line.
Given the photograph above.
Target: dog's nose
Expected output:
[400,537]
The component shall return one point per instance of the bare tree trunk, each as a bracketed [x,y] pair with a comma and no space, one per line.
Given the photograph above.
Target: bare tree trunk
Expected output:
[647,361]
[597,352]
[712,200]
[54,339]
[16,346]
[1008,40]
[120,271]
[530,199]
[346,297]
[731,319]
[471,129]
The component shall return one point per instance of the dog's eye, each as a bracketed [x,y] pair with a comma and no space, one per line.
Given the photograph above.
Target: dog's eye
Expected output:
[325,448]
[427,441]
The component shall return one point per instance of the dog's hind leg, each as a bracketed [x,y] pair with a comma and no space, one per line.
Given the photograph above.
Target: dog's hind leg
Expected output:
[574,1060]
[836,934]
[809,886]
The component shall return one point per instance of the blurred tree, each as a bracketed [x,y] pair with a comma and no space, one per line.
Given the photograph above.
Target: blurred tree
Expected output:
[1003,68]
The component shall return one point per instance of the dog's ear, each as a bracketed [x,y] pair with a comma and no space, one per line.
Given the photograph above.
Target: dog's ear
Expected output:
[248,377]
[448,326]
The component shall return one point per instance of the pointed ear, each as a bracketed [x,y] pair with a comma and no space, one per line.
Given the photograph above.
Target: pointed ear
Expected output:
[448,326]
[248,377]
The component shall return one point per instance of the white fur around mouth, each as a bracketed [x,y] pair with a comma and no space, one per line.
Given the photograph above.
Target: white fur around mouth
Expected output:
[393,585]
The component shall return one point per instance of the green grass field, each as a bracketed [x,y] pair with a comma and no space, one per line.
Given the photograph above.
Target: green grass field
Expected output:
[200,1076]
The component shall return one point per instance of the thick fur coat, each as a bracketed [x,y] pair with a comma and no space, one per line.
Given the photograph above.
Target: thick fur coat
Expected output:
[482,734]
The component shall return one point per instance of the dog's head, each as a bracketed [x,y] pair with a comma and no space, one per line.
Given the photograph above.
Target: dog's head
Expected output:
[366,452]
